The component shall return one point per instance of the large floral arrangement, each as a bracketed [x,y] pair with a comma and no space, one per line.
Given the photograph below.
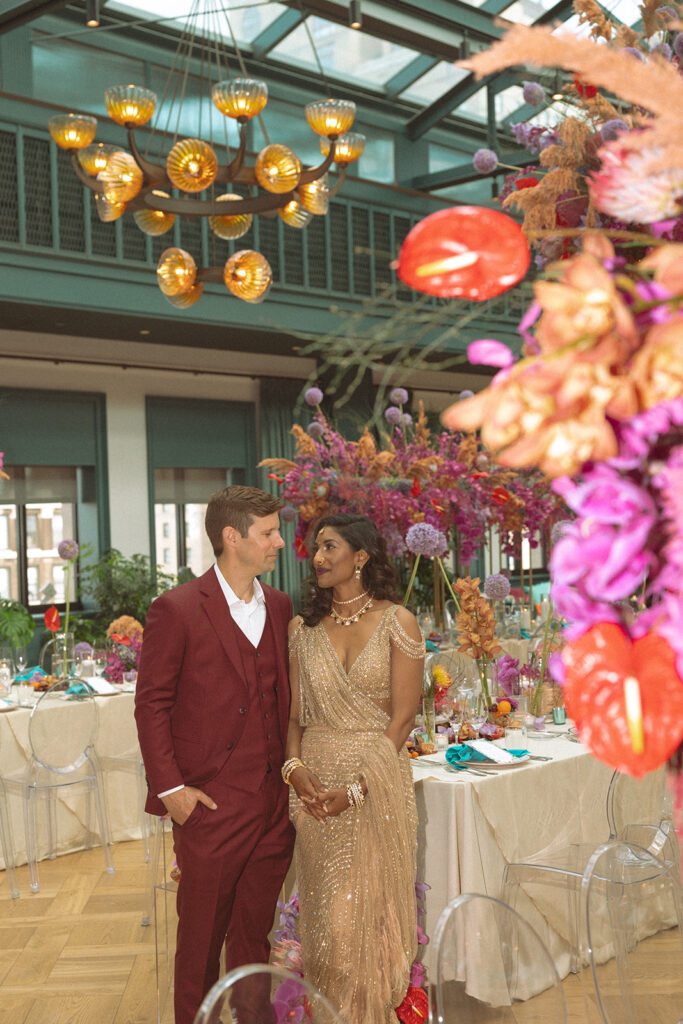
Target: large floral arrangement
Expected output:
[596,399]
[604,165]
[125,643]
[412,476]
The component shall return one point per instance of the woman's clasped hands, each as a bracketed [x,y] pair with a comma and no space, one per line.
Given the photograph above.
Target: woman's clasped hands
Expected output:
[319,802]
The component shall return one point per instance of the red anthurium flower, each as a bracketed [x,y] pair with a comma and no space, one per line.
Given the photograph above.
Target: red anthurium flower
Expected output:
[416,490]
[500,496]
[602,668]
[585,90]
[274,476]
[464,252]
[300,549]
[52,620]
[435,504]
[120,638]
[528,182]
[414,1008]
[478,476]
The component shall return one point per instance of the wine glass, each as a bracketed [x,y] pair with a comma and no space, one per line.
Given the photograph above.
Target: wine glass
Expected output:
[6,672]
[20,659]
[99,657]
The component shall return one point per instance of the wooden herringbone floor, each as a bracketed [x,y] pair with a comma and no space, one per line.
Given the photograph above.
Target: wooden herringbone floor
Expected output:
[76,953]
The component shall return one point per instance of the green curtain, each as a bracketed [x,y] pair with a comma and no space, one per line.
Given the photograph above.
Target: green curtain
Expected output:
[278,400]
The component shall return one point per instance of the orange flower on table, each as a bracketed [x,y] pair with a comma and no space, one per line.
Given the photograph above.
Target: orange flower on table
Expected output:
[125,626]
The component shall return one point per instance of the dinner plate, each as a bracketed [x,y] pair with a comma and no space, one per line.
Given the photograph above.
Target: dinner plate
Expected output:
[495,765]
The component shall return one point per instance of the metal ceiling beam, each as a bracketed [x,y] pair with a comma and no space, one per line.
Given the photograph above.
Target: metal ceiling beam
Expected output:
[427,118]
[435,28]
[562,11]
[275,32]
[464,173]
[14,13]
[409,74]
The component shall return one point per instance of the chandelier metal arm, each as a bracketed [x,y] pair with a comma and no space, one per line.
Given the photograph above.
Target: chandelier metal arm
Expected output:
[83,176]
[229,172]
[154,173]
[213,208]
[341,178]
[212,275]
[313,173]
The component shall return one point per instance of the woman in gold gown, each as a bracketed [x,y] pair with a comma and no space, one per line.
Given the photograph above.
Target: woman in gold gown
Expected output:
[356,662]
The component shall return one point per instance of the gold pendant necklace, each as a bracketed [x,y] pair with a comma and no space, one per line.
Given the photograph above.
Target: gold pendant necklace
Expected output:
[349,619]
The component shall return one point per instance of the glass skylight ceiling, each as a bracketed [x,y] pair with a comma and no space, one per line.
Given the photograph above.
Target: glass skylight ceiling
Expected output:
[366,61]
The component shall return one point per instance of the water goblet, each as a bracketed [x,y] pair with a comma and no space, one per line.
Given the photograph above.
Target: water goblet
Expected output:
[20,659]
[6,675]
[99,657]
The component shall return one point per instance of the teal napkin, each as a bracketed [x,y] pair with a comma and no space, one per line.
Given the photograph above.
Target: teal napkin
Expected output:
[31,673]
[459,754]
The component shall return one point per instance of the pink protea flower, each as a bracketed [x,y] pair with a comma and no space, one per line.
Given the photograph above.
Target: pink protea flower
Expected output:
[627,188]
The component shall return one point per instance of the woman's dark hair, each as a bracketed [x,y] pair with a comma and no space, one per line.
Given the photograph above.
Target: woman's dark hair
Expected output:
[378,576]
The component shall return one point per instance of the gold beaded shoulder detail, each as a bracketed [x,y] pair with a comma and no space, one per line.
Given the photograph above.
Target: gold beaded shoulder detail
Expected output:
[293,643]
[399,637]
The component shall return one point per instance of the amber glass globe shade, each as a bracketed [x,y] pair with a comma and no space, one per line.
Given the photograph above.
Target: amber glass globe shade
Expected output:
[230,227]
[122,178]
[295,214]
[94,158]
[348,147]
[277,168]
[130,104]
[107,211]
[176,272]
[72,131]
[247,275]
[241,98]
[188,298]
[315,197]
[330,117]
[191,165]
[155,222]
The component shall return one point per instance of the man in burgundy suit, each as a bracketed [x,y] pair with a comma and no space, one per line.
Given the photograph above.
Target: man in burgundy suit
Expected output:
[212,705]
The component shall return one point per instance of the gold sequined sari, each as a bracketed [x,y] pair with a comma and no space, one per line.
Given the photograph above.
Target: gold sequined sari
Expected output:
[356,871]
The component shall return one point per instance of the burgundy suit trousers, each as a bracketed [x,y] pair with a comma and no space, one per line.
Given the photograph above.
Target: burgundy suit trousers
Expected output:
[233,862]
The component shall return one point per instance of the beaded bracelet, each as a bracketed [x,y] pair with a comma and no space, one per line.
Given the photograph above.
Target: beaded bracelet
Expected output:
[289,766]
[355,795]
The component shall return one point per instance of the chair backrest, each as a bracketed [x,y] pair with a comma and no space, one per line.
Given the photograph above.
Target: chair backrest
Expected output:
[487,959]
[259,992]
[641,811]
[628,896]
[63,725]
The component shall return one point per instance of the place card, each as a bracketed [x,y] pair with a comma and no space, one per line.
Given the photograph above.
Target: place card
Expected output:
[491,751]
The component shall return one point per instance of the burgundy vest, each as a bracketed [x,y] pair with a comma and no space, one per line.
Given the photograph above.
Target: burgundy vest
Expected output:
[260,750]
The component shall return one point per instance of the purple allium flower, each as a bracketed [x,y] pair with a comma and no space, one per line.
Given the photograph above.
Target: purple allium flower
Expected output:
[496,587]
[485,161]
[393,415]
[633,51]
[610,129]
[399,396]
[315,430]
[663,49]
[466,394]
[314,396]
[678,45]
[425,539]
[533,93]
[407,419]
[288,514]
[83,647]
[68,550]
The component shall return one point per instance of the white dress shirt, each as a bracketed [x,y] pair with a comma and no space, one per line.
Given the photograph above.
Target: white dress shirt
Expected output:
[250,617]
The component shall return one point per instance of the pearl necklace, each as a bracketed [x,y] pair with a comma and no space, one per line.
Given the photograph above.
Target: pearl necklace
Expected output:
[351,599]
[348,620]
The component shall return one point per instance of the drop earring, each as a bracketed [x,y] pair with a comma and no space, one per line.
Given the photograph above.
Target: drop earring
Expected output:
[357,572]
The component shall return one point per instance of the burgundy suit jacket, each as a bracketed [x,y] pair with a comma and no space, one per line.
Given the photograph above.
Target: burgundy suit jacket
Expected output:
[191,684]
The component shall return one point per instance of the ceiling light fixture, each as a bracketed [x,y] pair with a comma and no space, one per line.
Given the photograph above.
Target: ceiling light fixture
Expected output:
[557,93]
[92,13]
[355,14]
[234,192]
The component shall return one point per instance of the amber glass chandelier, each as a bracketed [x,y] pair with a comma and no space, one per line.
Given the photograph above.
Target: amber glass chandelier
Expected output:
[188,177]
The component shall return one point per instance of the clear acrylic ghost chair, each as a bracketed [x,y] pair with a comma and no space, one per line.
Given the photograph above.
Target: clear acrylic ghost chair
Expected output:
[265,994]
[62,731]
[488,961]
[545,888]
[628,895]
[7,843]
[132,765]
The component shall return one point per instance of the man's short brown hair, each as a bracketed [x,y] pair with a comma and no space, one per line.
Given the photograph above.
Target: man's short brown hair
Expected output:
[237,506]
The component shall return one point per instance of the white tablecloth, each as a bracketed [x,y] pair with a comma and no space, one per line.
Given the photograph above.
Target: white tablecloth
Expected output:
[117,736]
[470,827]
